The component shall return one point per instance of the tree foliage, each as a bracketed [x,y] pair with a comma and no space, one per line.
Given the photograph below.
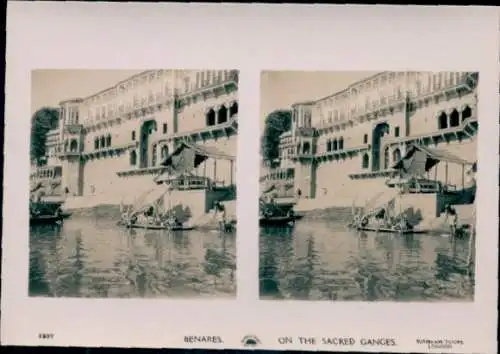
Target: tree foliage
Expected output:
[42,121]
[276,123]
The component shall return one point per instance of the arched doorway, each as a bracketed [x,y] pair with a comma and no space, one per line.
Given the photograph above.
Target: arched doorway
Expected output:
[307,148]
[147,128]
[378,132]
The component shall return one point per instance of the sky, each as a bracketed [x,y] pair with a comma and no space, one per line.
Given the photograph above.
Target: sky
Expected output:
[281,89]
[49,87]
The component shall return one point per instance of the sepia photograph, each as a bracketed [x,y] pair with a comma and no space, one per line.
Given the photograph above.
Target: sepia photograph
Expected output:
[367,185]
[132,184]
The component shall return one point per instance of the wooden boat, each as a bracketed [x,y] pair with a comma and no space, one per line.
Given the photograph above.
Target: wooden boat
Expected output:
[160,227]
[391,230]
[277,220]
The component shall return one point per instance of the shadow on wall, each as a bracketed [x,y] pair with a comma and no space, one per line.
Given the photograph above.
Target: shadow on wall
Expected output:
[414,217]
[221,195]
[183,214]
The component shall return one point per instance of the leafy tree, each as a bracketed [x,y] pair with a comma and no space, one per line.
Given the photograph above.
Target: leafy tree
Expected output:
[276,123]
[42,121]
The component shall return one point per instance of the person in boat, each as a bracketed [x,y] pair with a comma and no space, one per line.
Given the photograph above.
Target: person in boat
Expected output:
[220,214]
[451,219]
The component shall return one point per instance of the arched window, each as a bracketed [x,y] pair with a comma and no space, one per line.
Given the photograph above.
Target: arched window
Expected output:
[443,121]
[454,119]
[386,158]
[210,117]
[108,140]
[96,143]
[233,110]
[103,142]
[396,156]
[334,145]
[133,158]
[307,148]
[222,115]
[341,143]
[366,161]
[73,147]
[329,146]
[164,151]
[466,113]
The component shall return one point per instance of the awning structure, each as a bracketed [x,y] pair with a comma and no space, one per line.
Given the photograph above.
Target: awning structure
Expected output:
[268,188]
[420,159]
[187,156]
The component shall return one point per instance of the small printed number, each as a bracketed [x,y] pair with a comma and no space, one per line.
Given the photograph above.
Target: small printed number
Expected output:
[46,335]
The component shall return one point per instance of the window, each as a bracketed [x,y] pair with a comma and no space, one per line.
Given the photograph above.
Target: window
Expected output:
[334,145]
[133,135]
[386,158]
[366,161]
[454,119]
[365,139]
[96,143]
[396,132]
[108,140]
[165,128]
[133,158]
[154,153]
[396,156]
[341,143]
[443,121]
[103,141]
[466,113]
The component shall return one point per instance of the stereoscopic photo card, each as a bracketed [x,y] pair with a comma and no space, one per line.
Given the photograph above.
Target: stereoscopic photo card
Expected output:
[251,177]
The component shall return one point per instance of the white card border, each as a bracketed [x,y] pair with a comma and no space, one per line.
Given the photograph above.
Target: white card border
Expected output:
[253,38]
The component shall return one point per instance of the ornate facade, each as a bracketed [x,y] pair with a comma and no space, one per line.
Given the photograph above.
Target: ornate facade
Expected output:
[360,132]
[107,141]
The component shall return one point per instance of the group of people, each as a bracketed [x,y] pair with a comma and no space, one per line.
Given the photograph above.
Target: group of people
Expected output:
[381,218]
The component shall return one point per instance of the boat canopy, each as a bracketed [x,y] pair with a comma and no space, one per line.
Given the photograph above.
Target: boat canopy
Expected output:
[268,188]
[187,156]
[420,159]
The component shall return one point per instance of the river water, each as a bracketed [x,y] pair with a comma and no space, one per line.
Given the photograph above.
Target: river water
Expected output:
[93,257]
[321,260]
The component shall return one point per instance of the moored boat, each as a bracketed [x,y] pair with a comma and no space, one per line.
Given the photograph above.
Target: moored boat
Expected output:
[45,219]
[391,230]
[160,227]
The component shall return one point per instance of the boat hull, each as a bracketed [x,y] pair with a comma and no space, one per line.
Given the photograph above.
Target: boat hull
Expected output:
[277,221]
[160,227]
[389,230]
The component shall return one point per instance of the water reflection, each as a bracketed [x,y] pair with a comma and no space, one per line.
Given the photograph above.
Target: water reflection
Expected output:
[89,257]
[319,260]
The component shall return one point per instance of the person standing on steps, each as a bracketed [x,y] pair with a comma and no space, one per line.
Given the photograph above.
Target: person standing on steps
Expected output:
[452,219]
[220,213]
